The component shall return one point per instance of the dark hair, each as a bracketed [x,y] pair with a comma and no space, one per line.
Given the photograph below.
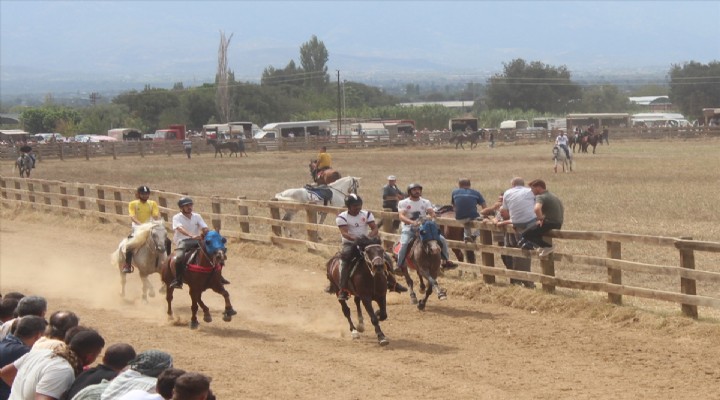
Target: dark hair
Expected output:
[61,322]
[86,342]
[538,183]
[29,326]
[190,384]
[74,331]
[7,308]
[166,382]
[118,355]
[13,295]
[31,305]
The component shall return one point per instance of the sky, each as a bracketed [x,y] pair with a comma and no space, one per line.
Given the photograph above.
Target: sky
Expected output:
[43,42]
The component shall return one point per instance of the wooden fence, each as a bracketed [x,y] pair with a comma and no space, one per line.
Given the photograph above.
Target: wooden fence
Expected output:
[260,221]
[174,147]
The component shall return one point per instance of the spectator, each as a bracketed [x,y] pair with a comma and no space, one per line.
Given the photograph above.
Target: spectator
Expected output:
[465,202]
[164,388]
[187,146]
[7,309]
[191,386]
[60,323]
[519,204]
[116,358]
[29,305]
[142,373]
[391,195]
[50,373]
[549,212]
[29,329]
[14,295]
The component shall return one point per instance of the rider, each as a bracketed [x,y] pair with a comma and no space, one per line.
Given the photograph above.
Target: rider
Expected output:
[189,227]
[26,149]
[412,209]
[141,210]
[562,141]
[323,162]
[354,223]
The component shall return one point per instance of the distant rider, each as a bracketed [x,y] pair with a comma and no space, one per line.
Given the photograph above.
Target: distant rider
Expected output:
[26,149]
[323,162]
[562,141]
[141,210]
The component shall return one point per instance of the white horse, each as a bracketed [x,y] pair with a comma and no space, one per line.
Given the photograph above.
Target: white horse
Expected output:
[149,254]
[340,188]
[561,158]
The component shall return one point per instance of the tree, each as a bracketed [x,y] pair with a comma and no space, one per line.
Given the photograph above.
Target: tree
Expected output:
[49,119]
[149,104]
[603,99]
[313,60]
[222,96]
[694,86]
[533,86]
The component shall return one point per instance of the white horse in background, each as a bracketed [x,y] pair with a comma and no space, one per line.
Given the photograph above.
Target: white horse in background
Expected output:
[340,188]
[561,158]
[149,254]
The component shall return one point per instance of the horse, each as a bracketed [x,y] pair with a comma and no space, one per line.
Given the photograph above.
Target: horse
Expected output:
[150,252]
[573,141]
[367,283]
[590,140]
[424,257]
[324,177]
[234,147]
[336,192]
[455,233]
[459,139]
[473,138]
[204,267]
[560,157]
[24,164]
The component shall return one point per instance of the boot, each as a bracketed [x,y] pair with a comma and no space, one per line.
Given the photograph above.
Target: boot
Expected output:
[344,277]
[394,286]
[448,265]
[224,281]
[179,271]
[127,267]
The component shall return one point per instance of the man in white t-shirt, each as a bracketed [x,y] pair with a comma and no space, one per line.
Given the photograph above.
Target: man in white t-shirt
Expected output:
[188,228]
[410,211]
[519,207]
[562,141]
[354,223]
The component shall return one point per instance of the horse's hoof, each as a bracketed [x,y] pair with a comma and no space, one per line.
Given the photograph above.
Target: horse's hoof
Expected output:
[360,328]
[383,341]
[207,318]
[227,318]
[355,334]
[421,306]
[413,298]
[442,296]
[230,312]
[194,324]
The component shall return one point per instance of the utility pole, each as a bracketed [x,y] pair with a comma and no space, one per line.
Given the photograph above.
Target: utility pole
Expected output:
[339,103]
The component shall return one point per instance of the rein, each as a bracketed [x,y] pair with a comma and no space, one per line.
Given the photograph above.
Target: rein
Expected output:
[351,189]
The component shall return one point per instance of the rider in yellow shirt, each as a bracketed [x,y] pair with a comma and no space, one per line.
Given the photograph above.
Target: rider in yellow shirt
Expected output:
[323,162]
[141,211]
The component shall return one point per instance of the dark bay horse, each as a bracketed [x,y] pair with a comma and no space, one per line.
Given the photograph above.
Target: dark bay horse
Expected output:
[203,272]
[367,283]
[424,257]
[24,165]
[325,176]
[454,233]
[234,147]
[473,138]
[590,140]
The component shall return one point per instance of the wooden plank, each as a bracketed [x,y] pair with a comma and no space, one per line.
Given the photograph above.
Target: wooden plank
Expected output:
[614,251]
[687,285]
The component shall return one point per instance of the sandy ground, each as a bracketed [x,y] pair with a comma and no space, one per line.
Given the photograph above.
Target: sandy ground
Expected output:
[290,340]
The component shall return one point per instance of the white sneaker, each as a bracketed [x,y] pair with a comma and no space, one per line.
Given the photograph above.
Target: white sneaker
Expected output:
[546,251]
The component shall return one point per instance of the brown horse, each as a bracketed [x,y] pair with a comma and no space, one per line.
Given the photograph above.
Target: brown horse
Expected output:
[368,283]
[324,177]
[454,233]
[424,257]
[590,140]
[203,274]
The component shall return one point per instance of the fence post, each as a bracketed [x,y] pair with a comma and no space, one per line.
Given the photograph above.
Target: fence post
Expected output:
[168,148]
[101,204]
[388,226]
[63,199]
[118,206]
[18,195]
[243,210]
[61,151]
[275,214]
[81,198]
[547,267]
[87,151]
[216,221]
[311,218]
[31,192]
[488,259]
[46,190]
[3,186]
[162,202]
[614,251]
[687,285]
[114,151]
[142,149]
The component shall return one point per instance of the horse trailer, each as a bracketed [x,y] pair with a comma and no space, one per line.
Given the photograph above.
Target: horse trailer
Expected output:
[125,134]
[299,128]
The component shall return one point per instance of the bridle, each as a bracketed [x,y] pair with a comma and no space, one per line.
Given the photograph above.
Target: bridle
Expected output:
[352,189]
[370,262]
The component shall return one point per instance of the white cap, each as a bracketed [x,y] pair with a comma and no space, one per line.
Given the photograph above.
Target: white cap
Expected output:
[392,178]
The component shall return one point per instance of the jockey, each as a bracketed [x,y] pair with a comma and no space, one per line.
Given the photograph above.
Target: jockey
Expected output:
[354,223]
[411,209]
[323,162]
[562,141]
[26,149]
[141,210]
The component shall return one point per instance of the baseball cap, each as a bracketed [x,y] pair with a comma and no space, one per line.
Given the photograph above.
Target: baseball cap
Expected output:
[392,178]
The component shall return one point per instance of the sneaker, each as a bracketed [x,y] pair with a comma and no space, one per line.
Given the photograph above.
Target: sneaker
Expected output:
[126,269]
[448,265]
[527,246]
[176,285]
[343,295]
[546,251]
[397,271]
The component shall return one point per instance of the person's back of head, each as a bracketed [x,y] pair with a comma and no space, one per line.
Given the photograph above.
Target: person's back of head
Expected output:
[151,362]
[118,355]
[31,305]
[166,382]
[29,329]
[7,308]
[464,182]
[191,386]
[60,323]
[87,344]
[13,295]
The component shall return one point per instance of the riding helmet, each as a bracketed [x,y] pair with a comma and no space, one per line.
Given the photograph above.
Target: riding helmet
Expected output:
[184,201]
[143,190]
[353,199]
[413,186]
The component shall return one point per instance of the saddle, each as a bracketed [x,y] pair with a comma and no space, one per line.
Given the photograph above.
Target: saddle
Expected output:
[191,263]
[323,192]
[444,209]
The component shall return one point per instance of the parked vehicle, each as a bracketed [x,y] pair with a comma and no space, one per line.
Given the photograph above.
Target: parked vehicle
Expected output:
[514,124]
[125,134]
[173,132]
[299,128]
[48,137]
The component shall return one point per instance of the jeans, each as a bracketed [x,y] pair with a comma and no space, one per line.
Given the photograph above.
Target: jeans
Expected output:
[534,234]
[406,236]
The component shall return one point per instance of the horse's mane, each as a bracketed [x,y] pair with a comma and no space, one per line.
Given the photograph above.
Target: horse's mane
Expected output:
[363,241]
[141,235]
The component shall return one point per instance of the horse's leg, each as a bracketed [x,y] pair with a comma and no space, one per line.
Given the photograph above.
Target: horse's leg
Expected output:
[289,214]
[169,298]
[206,310]
[361,319]
[346,312]
[123,279]
[145,286]
[410,283]
[382,340]
[322,218]
[194,297]
[555,167]
[229,311]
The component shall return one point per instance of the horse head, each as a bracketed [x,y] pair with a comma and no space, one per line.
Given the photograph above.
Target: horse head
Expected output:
[372,252]
[158,235]
[215,247]
[429,234]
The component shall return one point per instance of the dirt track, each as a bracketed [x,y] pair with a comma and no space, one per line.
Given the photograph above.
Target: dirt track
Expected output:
[289,339]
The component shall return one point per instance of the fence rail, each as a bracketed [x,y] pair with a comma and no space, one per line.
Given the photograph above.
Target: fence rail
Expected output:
[242,219]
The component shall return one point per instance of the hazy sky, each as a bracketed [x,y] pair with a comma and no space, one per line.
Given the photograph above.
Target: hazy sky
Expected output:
[138,39]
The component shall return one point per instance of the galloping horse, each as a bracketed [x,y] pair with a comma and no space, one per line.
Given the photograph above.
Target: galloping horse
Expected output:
[424,257]
[368,283]
[472,137]
[590,140]
[561,158]
[149,254]
[204,267]
[323,177]
[455,233]
[24,164]
[336,191]
[234,147]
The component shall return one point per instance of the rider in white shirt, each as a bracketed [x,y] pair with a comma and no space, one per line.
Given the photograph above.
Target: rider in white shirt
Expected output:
[562,141]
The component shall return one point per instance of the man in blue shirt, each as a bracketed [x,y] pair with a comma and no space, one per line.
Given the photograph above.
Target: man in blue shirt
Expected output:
[465,202]
[28,330]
